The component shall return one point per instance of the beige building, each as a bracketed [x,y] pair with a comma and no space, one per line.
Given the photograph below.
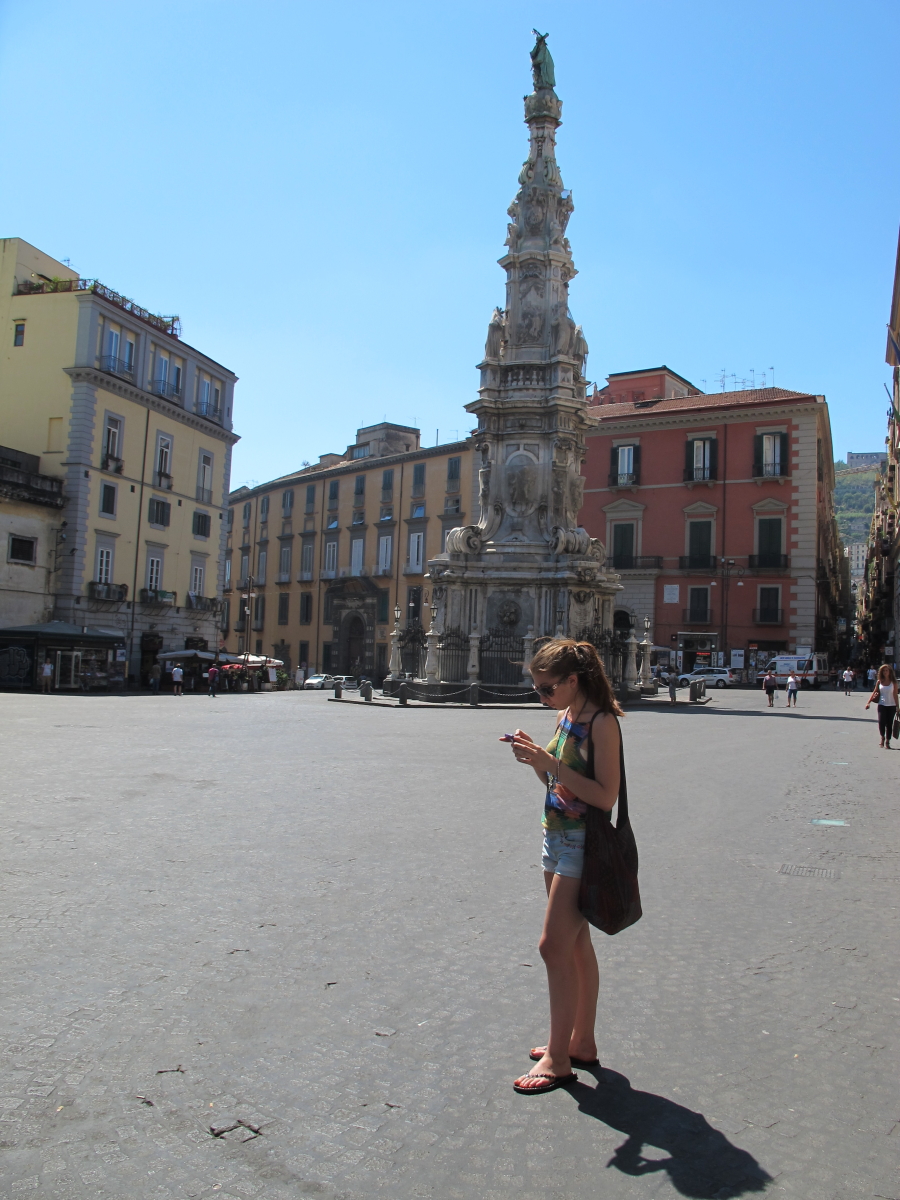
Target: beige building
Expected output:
[334,548]
[134,425]
[32,537]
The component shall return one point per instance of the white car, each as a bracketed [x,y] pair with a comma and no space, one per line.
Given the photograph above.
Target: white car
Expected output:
[318,681]
[720,677]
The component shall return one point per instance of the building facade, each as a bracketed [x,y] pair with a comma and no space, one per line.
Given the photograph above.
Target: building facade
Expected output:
[136,428]
[32,537]
[717,512]
[325,556]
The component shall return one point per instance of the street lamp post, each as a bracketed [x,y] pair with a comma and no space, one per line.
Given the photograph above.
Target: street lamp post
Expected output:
[394,665]
[645,655]
[432,665]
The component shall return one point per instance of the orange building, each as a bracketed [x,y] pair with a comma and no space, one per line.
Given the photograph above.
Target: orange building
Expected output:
[717,512]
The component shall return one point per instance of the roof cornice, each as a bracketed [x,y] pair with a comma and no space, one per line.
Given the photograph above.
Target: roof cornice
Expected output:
[118,387]
[678,419]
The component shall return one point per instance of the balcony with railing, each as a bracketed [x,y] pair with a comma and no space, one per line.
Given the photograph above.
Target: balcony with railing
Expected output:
[623,479]
[769,562]
[695,616]
[418,490]
[305,577]
[202,603]
[240,625]
[697,562]
[206,408]
[768,616]
[162,480]
[110,462]
[700,474]
[108,591]
[636,562]
[258,624]
[162,387]
[770,470]
[157,596]
[169,325]
[111,365]
[283,577]
[204,495]
[387,495]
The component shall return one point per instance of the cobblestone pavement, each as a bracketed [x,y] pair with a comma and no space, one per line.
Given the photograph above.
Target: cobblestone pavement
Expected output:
[313,925]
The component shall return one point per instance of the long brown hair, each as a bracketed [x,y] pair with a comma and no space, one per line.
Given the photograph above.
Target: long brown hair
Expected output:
[562,657]
[886,669]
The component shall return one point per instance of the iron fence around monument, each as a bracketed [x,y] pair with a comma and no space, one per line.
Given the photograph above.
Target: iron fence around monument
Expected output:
[501,656]
[611,648]
[413,651]
[454,652]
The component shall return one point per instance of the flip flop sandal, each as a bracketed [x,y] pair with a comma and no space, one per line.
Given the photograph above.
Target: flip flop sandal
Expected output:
[555,1081]
[537,1055]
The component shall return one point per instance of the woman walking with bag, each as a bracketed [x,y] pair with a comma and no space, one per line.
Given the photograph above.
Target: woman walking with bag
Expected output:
[569,677]
[885,692]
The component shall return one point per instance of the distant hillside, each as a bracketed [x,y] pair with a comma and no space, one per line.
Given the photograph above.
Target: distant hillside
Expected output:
[854,503]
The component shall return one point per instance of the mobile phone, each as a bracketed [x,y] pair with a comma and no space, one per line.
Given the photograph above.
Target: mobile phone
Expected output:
[507,737]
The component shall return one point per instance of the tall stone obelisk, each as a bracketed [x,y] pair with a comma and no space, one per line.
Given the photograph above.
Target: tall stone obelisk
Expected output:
[527,566]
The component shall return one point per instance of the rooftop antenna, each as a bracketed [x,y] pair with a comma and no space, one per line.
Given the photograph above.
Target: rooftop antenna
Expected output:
[752,378]
[733,381]
[720,379]
[772,369]
[67,261]
[437,437]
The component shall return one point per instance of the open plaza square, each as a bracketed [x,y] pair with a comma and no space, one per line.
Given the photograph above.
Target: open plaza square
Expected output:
[275,946]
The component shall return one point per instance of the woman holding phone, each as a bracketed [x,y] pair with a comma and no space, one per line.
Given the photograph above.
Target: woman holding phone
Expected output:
[569,677]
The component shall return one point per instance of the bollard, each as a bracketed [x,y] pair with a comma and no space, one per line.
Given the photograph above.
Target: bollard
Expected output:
[367,692]
[402,693]
[338,689]
[473,694]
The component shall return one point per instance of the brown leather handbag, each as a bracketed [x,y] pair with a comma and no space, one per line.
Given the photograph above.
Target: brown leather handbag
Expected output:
[609,897]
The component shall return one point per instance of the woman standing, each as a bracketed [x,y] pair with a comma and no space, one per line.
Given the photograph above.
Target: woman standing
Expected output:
[885,692]
[793,685]
[569,677]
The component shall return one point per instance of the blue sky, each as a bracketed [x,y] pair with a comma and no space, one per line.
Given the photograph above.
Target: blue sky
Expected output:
[320,191]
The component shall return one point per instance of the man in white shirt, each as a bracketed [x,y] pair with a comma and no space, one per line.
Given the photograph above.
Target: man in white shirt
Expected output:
[177,677]
[848,680]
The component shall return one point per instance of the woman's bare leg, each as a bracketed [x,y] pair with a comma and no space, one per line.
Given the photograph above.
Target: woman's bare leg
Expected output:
[562,926]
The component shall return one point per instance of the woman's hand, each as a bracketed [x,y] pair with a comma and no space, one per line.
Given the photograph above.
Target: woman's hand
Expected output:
[531,754]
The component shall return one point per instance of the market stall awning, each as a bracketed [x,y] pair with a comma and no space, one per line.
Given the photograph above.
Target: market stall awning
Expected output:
[65,632]
[203,655]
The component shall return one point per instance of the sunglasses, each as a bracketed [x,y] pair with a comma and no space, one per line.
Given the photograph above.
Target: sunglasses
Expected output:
[546,689]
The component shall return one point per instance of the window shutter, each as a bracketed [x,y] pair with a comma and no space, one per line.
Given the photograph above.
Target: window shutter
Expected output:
[785,443]
[714,458]
[689,459]
[613,462]
[757,454]
[637,463]
[166,513]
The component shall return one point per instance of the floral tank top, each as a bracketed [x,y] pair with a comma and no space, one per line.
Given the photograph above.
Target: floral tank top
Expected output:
[562,809]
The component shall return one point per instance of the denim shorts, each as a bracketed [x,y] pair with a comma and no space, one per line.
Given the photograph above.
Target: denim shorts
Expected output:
[563,852]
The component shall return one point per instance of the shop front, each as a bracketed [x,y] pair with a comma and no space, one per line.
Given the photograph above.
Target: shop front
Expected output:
[82,658]
[697,650]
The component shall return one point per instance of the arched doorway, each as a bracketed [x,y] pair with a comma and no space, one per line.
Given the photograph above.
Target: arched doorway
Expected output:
[622,621]
[354,662]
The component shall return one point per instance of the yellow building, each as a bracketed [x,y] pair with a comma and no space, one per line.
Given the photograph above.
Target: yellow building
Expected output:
[333,549]
[137,426]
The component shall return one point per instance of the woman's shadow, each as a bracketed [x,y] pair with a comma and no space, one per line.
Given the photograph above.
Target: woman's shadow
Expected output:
[702,1163]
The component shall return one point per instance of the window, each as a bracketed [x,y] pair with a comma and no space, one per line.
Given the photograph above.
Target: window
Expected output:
[326,657]
[204,478]
[359,517]
[453,469]
[387,514]
[700,545]
[112,344]
[201,524]
[356,556]
[176,380]
[264,509]
[261,560]
[306,560]
[384,597]
[19,334]
[387,484]
[418,487]
[245,567]
[104,564]
[306,608]
[162,365]
[160,512]
[154,572]
[360,451]
[227,574]
[698,601]
[108,499]
[769,611]
[310,497]
[452,504]
[359,490]
[284,600]
[700,459]
[332,523]
[22,550]
[331,556]
[385,553]
[163,460]
[769,541]
[770,454]
[284,560]
[418,510]
[304,654]
[416,551]
[287,504]
[333,493]
[623,546]
[129,355]
[259,612]
[328,614]
[246,514]
[112,437]
[231,518]
[197,573]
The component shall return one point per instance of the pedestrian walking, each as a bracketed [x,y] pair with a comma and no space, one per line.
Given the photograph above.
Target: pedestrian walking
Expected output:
[673,687]
[213,680]
[770,687]
[848,680]
[871,676]
[46,676]
[155,675]
[569,677]
[177,678]
[793,686]
[885,692]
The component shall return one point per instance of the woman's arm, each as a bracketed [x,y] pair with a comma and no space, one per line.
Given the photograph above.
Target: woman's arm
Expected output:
[601,792]
[876,693]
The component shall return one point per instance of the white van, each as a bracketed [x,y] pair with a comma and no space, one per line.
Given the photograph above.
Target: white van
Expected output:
[811,669]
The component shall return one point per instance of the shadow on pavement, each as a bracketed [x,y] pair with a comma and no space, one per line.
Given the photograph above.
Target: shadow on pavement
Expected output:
[796,713]
[702,1163]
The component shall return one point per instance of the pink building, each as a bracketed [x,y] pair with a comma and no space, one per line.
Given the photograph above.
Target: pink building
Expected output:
[716,511]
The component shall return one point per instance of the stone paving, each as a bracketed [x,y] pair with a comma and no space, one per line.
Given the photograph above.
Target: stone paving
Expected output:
[311,927]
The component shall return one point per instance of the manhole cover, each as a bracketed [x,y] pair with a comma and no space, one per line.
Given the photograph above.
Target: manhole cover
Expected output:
[808,872]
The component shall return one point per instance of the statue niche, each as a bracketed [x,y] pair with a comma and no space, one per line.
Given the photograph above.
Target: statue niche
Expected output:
[521,485]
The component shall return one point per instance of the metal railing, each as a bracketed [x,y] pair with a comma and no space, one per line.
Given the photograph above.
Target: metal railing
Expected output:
[112,463]
[700,474]
[108,591]
[203,603]
[623,479]
[204,495]
[116,366]
[772,561]
[156,596]
[695,616]
[636,562]
[162,480]
[769,470]
[768,616]
[162,387]
[169,325]
[697,562]
[206,408]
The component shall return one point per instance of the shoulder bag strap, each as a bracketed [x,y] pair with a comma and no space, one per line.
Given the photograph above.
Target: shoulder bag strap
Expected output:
[623,786]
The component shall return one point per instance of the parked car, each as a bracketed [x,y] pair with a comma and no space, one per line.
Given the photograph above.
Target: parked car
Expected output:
[347,681]
[719,677]
[318,681]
